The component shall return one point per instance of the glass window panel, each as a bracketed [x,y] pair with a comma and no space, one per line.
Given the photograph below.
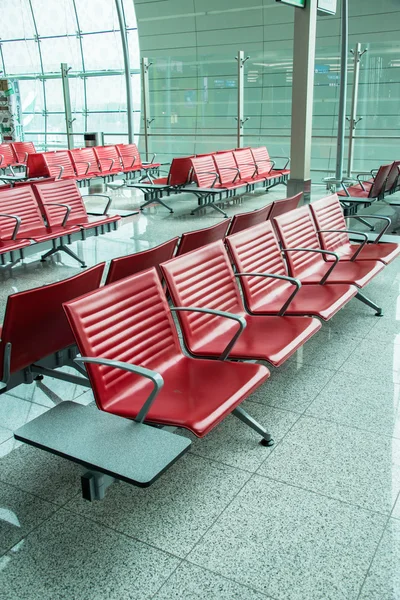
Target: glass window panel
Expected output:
[106,93]
[37,139]
[16,20]
[136,91]
[54,18]
[103,51]
[79,123]
[21,57]
[31,92]
[33,123]
[129,11]
[108,122]
[79,142]
[56,141]
[54,95]
[58,50]
[56,123]
[134,52]
[97,16]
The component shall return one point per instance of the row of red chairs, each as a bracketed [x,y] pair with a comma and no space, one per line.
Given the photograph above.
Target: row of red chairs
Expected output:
[217,175]
[83,164]
[48,211]
[15,154]
[128,339]
[384,181]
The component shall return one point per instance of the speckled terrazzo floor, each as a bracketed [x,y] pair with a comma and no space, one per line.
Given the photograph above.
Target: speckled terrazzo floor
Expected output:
[315,517]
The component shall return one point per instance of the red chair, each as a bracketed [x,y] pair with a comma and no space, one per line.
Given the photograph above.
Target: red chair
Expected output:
[365,192]
[35,326]
[85,163]
[228,171]
[137,369]
[305,257]
[204,279]
[252,172]
[201,237]
[61,202]
[154,188]
[8,158]
[141,261]
[108,159]
[266,166]
[266,286]
[282,206]
[249,219]
[334,235]
[50,164]
[22,149]
[131,159]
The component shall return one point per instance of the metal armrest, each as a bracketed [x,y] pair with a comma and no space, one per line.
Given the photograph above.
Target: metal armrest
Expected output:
[287,158]
[361,183]
[112,161]
[61,170]
[211,173]
[292,280]
[1,159]
[379,218]
[317,251]
[218,313]
[362,234]
[231,169]
[155,377]
[109,200]
[83,162]
[17,224]
[67,213]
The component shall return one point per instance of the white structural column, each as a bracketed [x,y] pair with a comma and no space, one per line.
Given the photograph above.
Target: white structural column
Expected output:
[305,29]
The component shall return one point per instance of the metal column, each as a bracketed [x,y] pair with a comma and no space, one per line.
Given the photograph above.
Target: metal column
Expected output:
[305,28]
[240,103]
[146,104]
[67,105]
[353,117]
[127,68]
[343,88]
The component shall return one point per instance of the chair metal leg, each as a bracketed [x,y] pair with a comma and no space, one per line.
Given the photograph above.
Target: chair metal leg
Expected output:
[159,202]
[368,302]
[63,248]
[367,223]
[248,420]
[211,205]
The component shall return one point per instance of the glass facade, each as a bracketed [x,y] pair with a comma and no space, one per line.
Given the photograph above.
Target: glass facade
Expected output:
[38,35]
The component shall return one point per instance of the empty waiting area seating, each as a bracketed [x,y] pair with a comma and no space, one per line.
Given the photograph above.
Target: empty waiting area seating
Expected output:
[204,279]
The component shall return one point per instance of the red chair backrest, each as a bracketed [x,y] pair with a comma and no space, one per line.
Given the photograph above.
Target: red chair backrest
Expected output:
[129,321]
[55,160]
[84,161]
[36,166]
[180,169]
[282,206]
[129,156]
[262,160]
[61,192]
[204,172]
[22,149]
[204,278]
[391,181]
[126,266]
[7,156]
[35,323]
[108,159]
[296,229]
[328,214]
[201,237]
[248,219]
[20,201]
[245,162]
[256,250]
[226,167]
[379,184]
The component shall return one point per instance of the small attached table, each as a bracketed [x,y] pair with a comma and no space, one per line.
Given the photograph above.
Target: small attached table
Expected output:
[111,447]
